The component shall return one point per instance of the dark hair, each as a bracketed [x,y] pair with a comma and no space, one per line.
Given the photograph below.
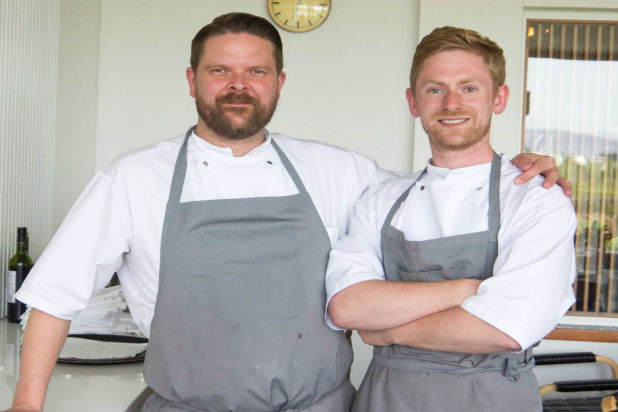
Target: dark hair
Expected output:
[237,23]
[455,38]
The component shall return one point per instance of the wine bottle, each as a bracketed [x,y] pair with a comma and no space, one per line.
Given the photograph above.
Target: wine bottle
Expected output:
[19,266]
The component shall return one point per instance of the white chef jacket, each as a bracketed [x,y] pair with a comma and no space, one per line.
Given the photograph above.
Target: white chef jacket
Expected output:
[531,284]
[116,223]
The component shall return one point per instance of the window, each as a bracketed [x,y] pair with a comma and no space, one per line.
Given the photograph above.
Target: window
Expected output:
[570,114]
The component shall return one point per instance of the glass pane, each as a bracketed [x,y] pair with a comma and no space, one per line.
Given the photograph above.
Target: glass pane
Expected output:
[571,105]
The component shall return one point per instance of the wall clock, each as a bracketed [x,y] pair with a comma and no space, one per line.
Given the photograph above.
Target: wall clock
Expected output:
[298,15]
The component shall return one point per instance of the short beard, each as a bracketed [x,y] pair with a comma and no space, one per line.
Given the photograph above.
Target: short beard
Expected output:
[440,140]
[216,119]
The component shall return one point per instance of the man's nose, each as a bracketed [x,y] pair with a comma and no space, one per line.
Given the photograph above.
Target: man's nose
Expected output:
[238,82]
[452,101]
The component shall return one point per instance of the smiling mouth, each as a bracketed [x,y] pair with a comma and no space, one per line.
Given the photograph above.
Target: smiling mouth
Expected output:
[452,122]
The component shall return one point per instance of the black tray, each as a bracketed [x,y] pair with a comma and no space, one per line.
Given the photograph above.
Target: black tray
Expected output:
[139,357]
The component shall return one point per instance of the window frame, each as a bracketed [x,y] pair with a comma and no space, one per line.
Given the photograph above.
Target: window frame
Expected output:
[574,326]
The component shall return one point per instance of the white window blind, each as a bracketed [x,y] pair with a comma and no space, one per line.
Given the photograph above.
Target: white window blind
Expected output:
[570,114]
[28,82]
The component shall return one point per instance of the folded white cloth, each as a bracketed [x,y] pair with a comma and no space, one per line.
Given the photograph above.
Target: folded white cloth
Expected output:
[106,313]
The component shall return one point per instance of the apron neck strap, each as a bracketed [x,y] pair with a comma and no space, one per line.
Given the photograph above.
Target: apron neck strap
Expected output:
[289,168]
[180,169]
[400,199]
[493,214]
[493,218]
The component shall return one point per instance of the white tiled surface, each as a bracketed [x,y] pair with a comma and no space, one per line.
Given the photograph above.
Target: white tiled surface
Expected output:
[101,388]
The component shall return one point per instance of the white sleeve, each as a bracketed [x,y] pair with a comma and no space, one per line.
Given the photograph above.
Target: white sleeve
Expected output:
[533,274]
[85,251]
[357,256]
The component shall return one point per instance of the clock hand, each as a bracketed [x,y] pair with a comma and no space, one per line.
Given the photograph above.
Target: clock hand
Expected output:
[296,10]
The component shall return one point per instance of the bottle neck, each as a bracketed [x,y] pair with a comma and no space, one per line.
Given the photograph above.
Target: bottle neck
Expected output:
[22,248]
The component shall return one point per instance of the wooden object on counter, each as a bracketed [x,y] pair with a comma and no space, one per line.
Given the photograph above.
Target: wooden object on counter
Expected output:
[589,333]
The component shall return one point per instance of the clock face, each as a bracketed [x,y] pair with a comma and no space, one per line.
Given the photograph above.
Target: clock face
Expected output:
[298,15]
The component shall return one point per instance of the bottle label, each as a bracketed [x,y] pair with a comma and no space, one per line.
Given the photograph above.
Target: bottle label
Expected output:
[11,277]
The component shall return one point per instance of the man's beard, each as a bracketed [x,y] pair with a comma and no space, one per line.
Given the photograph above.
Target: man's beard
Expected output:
[439,137]
[215,117]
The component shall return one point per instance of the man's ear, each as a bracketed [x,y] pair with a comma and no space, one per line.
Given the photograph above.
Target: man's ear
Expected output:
[281,78]
[501,98]
[412,103]
[191,80]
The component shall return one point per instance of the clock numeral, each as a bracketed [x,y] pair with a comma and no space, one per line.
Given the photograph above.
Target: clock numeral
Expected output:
[297,25]
[277,13]
[322,4]
[311,24]
[274,2]
[285,22]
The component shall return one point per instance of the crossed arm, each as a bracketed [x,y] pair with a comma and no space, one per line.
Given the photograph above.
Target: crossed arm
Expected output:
[424,315]
[378,305]
[453,330]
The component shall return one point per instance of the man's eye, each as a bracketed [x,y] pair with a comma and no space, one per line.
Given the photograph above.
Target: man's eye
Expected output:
[470,89]
[257,71]
[434,90]
[217,70]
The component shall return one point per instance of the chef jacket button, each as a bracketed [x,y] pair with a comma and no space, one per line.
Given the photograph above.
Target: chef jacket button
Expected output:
[269,162]
[478,188]
[205,163]
[423,187]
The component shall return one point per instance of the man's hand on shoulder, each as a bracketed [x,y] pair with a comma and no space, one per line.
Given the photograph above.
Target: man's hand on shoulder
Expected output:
[532,164]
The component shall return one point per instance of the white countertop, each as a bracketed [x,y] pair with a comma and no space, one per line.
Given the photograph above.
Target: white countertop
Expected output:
[79,388]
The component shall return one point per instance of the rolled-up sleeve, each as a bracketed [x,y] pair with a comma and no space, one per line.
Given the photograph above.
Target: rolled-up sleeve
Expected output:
[85,251]
[531,287]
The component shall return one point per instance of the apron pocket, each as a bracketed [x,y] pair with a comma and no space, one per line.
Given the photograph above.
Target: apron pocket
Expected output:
[256,282]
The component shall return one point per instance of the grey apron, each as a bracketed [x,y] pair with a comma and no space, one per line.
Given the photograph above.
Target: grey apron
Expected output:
[403,378]
[239,318]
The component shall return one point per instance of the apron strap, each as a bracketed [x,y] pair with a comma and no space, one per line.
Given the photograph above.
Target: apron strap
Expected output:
[493,215]
[397,204]
[290,169]
[509,364]
[513,367]
[180,170]
[493,218]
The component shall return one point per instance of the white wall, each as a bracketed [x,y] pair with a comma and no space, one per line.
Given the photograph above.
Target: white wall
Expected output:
[77,101]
